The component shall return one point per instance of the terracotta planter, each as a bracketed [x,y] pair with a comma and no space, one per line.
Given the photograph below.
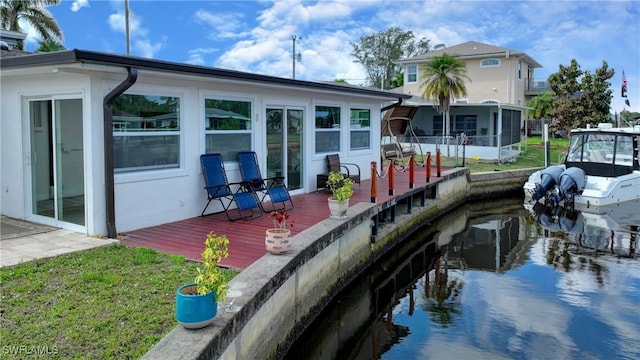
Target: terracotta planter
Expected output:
[277,241]
[338,210]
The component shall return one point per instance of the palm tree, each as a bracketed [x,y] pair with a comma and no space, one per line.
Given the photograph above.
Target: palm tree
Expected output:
[540,107]
[34,13]
[443,78]
[49,46]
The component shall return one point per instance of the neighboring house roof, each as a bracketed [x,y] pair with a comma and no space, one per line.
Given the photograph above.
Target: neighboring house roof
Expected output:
[99,58]
[4,54]
[11,38]
[472,50]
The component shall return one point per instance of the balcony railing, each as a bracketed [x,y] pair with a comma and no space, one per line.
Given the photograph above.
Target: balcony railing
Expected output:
[536,86]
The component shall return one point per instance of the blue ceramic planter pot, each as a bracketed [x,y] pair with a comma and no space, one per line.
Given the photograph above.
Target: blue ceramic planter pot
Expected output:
[195,311]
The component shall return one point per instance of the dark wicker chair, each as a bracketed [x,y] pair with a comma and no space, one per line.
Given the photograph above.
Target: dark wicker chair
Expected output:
[333,163]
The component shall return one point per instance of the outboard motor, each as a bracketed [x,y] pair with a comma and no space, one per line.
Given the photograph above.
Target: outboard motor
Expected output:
[571,183]
[549,177]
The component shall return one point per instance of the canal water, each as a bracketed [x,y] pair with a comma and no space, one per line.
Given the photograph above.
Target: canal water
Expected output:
[496,280]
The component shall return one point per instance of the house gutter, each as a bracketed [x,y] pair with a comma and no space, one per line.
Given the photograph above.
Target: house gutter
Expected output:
[392,105]
[107,106]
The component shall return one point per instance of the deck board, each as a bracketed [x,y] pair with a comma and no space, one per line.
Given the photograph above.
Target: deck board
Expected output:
[246,237]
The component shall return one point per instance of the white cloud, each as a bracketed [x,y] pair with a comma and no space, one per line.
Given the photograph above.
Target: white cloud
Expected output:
[79,4]
[117,23]
[141,44]
[223,25]
[145,48]
[198,56]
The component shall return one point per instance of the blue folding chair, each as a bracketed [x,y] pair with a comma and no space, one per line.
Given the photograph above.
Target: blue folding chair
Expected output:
[274,187]
[218,188]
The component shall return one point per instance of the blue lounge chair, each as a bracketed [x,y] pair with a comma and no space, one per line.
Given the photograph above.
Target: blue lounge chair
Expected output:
[274,187]
[218,188]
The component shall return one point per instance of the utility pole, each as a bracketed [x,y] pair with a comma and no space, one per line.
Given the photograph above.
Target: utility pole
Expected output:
[295,56]
[126,22]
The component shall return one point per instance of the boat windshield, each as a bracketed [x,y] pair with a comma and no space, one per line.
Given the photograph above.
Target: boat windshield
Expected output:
[602,148]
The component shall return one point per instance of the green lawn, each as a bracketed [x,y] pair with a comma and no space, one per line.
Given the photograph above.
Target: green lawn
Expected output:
[104,303]
[118,302]
[532,156]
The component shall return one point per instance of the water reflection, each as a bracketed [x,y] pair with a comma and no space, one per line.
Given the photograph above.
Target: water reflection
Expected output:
[613,230]
[493,281]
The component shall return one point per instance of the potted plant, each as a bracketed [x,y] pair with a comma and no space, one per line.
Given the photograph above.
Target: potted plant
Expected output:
[341,187]
[278,239]
[196,302]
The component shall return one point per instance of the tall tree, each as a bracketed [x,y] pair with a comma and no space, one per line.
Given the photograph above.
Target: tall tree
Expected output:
[597,94]
[32,12]
[443,78]
[379,53]
[581,97]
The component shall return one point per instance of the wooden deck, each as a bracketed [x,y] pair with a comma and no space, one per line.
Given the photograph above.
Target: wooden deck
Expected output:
[246,237]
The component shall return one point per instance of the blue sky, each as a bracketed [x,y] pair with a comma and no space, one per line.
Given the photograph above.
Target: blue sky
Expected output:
[256,36]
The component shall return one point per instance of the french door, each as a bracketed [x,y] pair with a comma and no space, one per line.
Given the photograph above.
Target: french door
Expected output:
[57,161]
[284,144]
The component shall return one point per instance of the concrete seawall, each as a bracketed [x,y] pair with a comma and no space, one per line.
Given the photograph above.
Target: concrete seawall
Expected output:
[279,295]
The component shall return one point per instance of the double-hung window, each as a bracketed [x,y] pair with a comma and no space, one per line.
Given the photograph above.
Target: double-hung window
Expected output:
[412,74]
[146,132]
[227,127]
[327,129]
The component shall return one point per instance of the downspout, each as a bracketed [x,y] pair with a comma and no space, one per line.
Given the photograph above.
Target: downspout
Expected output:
[107,102]
[499,137]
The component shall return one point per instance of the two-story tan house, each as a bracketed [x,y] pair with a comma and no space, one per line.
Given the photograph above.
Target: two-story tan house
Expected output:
[493,113]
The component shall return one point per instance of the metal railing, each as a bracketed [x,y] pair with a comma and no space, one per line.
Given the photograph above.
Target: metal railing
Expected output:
[537,86]
[453,148]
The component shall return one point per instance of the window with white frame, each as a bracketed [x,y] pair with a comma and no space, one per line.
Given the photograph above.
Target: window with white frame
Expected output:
[360,129]
[327,129]
[412,73]
[490,63]
[227,127]
[146,132]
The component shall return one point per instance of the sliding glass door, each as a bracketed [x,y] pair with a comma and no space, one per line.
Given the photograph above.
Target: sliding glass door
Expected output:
[284,145]
[57,160]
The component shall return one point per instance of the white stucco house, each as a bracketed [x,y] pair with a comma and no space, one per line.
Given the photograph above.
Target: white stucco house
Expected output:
[102,143]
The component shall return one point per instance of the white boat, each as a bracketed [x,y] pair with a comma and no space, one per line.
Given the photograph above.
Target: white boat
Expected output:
[600,169]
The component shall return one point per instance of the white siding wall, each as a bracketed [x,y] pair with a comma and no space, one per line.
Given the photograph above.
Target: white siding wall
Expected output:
[150,198]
